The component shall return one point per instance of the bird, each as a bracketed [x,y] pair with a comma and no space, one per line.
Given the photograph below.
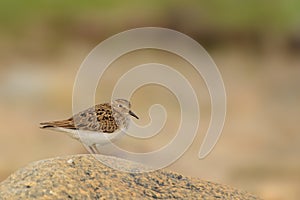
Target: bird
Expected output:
[97,125]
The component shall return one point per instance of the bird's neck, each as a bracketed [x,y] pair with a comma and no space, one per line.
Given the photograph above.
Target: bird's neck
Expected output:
[122,119]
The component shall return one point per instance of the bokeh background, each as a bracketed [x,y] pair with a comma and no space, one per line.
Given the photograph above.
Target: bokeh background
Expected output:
[255,44]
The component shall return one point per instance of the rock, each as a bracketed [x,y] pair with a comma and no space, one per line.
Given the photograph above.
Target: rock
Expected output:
[84,177]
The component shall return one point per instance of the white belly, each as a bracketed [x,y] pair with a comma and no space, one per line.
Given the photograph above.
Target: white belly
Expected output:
[90,138]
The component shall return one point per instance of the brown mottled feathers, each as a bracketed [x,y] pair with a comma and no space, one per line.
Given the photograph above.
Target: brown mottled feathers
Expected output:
[98,118]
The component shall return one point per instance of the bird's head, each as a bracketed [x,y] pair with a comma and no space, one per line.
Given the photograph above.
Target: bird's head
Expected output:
[123,106]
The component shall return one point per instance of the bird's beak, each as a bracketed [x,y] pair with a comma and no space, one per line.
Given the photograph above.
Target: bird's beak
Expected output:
[132,114]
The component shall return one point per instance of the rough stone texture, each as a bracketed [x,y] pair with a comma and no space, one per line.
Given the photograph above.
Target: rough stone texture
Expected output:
[84,177]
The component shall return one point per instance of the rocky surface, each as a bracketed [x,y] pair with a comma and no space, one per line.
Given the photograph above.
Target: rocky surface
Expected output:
[84,177]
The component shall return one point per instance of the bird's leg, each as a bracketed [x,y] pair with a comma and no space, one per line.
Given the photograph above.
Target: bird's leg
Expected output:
[94,149]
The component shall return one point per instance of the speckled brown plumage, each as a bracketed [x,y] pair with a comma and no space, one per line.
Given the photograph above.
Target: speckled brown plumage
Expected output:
[98,118]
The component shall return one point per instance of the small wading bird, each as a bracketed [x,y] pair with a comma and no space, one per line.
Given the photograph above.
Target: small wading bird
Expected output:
[97,125]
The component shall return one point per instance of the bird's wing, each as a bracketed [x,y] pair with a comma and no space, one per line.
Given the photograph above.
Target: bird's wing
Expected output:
[98,118]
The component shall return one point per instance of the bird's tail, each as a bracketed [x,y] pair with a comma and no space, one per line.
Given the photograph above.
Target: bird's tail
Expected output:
[66,126]
[47,125]
[69,124]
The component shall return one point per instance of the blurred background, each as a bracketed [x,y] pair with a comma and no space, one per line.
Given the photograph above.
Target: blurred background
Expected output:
[255,44]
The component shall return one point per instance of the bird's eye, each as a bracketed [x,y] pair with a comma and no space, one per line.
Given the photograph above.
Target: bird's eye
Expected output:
[120,106]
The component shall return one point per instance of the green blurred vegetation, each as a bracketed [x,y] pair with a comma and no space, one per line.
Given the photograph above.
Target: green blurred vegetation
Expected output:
[52,24]
[234,14]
